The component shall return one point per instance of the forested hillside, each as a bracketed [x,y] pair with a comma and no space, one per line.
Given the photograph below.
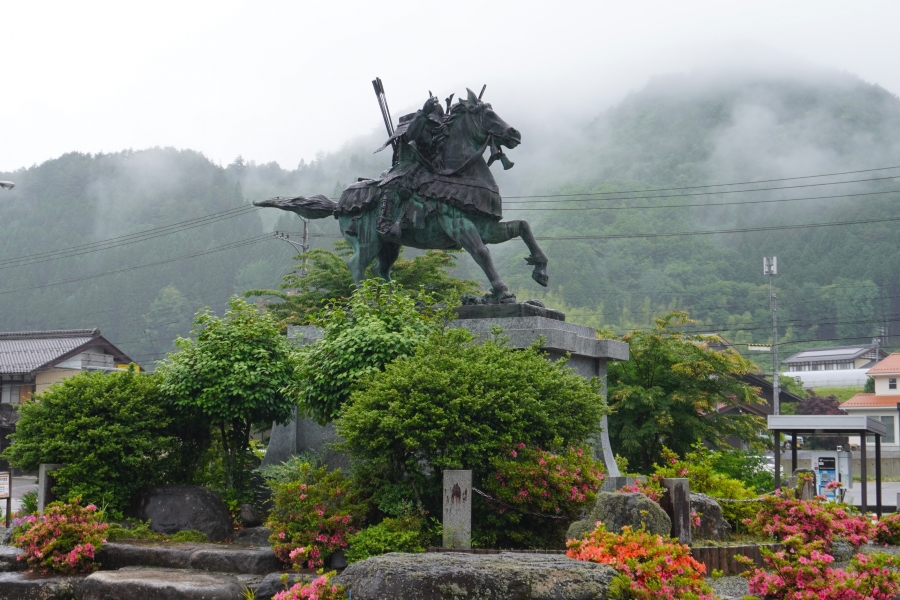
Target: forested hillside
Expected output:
[615,262]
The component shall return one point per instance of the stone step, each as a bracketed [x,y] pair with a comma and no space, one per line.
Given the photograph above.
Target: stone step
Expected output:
[32,586]
[161,584]
[200,557]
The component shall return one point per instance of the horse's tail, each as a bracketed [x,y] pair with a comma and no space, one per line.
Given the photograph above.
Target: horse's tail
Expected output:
[314,207]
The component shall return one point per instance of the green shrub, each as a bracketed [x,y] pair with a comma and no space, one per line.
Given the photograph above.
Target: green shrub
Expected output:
[746,466]
[457,404]
[697,467]
[189,535]
[313,516]
[113,432]
[29,504]
[138,530]
[391,535]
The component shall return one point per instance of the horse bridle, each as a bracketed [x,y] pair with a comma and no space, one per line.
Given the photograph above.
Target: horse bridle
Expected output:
[496,153]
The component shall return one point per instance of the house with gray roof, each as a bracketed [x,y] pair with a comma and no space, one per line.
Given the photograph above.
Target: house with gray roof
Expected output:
[836,366]
[31,361]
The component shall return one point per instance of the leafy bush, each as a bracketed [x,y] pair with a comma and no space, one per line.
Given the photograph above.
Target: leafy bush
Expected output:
[650,567]
[391,535]
[313,516]
[29,503]
[376,326]
[889,530]
[320,588]
[781,516]
[113,432]
[803,570]
[531,480]
[698,466]
[746,466]
[64,539]
[457,404]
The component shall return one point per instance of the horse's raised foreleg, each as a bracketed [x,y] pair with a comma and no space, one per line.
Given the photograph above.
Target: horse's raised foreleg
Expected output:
[465,233]
[499,232]
[387,256]
[365,244]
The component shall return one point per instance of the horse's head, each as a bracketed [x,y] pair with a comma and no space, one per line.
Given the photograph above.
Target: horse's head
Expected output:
[490,122]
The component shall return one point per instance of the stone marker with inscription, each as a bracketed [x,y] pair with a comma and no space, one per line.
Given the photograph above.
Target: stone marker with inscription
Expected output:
[457,523]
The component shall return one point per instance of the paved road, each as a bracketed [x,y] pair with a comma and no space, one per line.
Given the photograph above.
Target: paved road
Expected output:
[889,491]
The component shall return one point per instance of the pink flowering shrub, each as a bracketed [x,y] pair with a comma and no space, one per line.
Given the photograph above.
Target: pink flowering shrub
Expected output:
[650,567]
[320,588]
[803,571]
[532,480]
[64,539]
[889,530]
[652,488]
[314,514]
[782,515]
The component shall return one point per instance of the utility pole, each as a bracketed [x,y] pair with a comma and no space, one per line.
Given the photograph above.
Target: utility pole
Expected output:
[302,247]
[770,268]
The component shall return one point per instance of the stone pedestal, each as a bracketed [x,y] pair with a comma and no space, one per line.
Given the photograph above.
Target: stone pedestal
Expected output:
[523,324]
[457,505]
[676,501]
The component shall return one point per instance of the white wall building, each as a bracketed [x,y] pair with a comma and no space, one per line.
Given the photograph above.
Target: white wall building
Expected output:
[881,405]
[837,366]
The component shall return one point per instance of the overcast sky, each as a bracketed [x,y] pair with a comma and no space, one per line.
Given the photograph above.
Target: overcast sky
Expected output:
[282,80]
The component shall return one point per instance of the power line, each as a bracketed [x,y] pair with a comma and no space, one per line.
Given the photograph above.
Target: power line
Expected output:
[581,195]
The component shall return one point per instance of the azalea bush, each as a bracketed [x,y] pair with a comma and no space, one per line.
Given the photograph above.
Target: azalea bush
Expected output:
[320,588]
[64,539]
[527,482]
[889,530]
[650,567]
[314,515]
[803,570]
[783,515]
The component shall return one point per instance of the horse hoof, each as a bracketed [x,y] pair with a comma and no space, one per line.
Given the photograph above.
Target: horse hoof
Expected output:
[507,298]
[540,276]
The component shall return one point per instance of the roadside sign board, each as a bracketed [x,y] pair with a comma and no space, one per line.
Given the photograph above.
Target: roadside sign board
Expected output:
[4,485]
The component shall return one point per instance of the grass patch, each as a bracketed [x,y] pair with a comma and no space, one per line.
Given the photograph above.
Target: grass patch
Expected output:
[140,530]
[841,393]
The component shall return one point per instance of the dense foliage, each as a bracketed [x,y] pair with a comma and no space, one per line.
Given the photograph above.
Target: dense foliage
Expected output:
[314,514]
[360,336]
[457,404]
[391,535]
[535,494]
[112,432]
[232,372]
[746,466]
[64,539]
[803,570]
[323,276]
[670,393]
[649,566]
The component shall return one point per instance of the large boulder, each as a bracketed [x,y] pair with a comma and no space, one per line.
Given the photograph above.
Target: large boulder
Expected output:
[453,575]
[618,510]
[173,508]
[713,525]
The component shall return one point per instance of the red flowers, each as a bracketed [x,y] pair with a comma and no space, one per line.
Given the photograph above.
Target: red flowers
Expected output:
[64,539]
[650,567]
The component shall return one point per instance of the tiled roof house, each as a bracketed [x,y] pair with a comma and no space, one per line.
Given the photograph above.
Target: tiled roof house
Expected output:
[30,361]
[882,404]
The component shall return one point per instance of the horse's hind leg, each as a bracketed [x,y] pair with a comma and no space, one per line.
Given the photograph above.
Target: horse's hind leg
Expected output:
[387,256]
[465,233]
[499,232]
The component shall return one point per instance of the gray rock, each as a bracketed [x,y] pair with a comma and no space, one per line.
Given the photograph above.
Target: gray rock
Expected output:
[35,586]
[9,559]
[5,533]
[173,508]
[272,584]
[452,575]
[118,555]
[842,550]
[256,536]
[713,525]
[617,510]
[249,516]
[156,584]
[234,560]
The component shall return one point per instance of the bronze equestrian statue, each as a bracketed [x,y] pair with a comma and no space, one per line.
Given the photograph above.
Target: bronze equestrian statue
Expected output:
[439,193]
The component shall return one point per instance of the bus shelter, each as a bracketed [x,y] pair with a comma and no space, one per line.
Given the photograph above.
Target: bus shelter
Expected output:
[835,425]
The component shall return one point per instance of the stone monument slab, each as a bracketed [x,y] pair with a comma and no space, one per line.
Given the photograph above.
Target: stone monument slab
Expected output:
[457,523]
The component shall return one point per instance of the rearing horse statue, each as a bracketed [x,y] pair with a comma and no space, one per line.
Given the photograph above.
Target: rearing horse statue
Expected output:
[439,194]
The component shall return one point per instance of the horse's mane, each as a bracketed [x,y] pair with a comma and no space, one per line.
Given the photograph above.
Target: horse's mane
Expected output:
[450,120]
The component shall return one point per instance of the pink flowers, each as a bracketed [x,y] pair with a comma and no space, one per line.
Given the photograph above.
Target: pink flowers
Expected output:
[64,539]
[320,588]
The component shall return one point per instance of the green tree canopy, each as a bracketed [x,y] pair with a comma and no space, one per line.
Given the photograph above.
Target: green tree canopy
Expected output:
[326,277]
[456,404]
[378,324]
[232,372]
[670,391]
[113,432]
